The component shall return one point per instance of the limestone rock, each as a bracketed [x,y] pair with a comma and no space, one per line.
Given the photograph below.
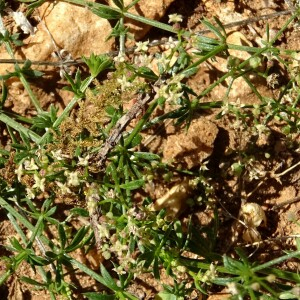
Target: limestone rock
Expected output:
[193,146]
[73,28]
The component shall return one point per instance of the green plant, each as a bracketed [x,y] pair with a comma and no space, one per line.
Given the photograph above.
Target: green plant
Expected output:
[93,157]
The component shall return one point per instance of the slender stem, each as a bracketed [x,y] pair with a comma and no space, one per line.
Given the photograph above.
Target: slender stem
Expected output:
[18,127]
[59,119]
[276,261]
[122,37]
[141,123]
[31,94]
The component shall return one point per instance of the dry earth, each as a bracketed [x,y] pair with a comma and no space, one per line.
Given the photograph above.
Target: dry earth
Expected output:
[208,140]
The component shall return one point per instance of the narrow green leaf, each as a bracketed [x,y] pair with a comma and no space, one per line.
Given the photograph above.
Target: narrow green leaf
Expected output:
[109,281]
[77,239]
[147,73]
[38,260]
[213,29]
[62,235]
[146,156]
[119,3]
[135,141]
[18,127]
[132,185]
[15,243]
[96,296]
[165,296]
[107,13]
[32,281]
[80,212]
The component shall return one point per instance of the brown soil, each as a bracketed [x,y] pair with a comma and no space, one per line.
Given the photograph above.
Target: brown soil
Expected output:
[270,192]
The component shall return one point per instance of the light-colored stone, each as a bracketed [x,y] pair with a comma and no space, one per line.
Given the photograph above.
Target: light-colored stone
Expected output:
[73,28]
[239,87]
[193,146]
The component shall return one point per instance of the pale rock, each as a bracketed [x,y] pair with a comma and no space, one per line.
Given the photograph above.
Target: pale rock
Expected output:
[239,87]
[193,146]
[73,28]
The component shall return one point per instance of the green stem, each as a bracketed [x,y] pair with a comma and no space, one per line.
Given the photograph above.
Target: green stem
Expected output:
[122,37]
[27,224]
[276,261]
[31,94]
[141,123]
[204,58]
[92,5]
[58,121]
[9,49]
[18,127]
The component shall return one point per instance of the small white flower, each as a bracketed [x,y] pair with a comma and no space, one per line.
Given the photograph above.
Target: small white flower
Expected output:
[163,62]
[19,172]
[123,82]
[161,91]
[171,43]
[29,193]
[83,161]
[91,206]
[233,288]
[57,154]
[173,97]
[39,183]
[63,188]
[2,28]
[141,46]
[73,179]
[30,165]
[103,231]
[119,248]
[119,270]
[120,58]
[175,18]
[24,24]
[143,60]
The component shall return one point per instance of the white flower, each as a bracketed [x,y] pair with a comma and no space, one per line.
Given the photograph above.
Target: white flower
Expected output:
[143,59]
[30,165]
[19,172]
[175,18]
[2,28]
[91,206]
[161,91]
[57,154]
[39,183]
[73,179]
[119,248]
[24,24]
[120,58]
[83,161]
[63,188]
[171,43]
[119,270]
[163,62]
[141,46]
[233,288]
[29,193]
[103,231]
[173,97]
[123,82]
